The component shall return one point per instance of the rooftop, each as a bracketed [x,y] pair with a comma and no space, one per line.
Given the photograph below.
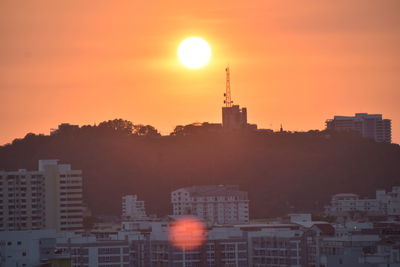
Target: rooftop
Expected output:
[215,190]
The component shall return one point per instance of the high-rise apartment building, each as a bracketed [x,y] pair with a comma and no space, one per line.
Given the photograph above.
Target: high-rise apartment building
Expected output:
[368,125]
[132,208]
[215,204]
[49,198]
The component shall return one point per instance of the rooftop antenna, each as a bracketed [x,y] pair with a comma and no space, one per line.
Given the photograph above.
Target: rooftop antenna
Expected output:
[228,101]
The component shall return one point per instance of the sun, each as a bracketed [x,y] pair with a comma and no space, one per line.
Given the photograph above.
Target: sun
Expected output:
[194,52]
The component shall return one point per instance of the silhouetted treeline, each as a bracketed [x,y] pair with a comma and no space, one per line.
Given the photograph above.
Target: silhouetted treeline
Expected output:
[283,172]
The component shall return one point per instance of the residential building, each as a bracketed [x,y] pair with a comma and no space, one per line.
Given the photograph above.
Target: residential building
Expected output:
[40,247]
[225,246]
[383,204]
[368,125]
[48,198]
[88,251]
[346,203]
[132,208]
[146,243]
[390,201]
[215,204]
[275,245]
[239,245]
[356,250]
[22,248]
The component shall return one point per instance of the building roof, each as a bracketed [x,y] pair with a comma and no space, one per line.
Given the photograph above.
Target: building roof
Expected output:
[215,190]
[325,228]
[359,116]
[345,195]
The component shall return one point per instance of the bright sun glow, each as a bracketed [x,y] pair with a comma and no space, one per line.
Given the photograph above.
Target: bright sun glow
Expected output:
[194,52]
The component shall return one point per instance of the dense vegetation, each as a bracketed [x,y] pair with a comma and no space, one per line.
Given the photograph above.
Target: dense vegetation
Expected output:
[283,172]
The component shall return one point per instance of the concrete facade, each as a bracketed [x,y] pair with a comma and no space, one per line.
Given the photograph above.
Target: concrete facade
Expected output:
[214,204]
[49,198]
[132,208]
[383,204]
[368,125]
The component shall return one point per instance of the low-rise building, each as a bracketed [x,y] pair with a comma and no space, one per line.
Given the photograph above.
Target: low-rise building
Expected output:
[383,204]
[276,245]
[226,246]
[39,247]
[22,248]
[88,251]
[132,208]
[304,243]
[349,250]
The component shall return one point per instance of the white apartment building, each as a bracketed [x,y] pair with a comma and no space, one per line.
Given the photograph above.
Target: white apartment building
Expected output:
[91,252]
[21,248]
[48,198]
[132,208]
[390,201]
[368,125]
[54,248]
[275,246]
[356,250]
[348,202]
[215,204]
[384,203]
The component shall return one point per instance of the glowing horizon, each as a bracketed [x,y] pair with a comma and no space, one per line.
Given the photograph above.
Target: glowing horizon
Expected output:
[295,64]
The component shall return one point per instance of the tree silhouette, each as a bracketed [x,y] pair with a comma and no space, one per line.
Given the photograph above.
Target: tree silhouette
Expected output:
[282,172]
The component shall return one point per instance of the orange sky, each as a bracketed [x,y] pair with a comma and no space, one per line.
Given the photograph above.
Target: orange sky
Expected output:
[292,62]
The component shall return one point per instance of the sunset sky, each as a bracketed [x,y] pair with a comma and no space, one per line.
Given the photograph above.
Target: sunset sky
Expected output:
[292,62]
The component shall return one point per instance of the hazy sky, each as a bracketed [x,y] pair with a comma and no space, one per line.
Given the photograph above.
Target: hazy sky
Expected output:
[292,62]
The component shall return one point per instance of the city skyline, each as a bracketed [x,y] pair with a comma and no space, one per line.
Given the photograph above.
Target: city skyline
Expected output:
[209,226]
[295,65]
[200,133]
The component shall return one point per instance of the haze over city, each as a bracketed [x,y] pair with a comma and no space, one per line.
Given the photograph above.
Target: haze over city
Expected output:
[295,63]
[200,133]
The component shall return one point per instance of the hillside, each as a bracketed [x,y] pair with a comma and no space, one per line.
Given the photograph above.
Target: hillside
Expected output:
[283,172]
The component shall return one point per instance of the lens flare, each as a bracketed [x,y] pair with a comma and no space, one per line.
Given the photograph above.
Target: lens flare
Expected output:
[187,233]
